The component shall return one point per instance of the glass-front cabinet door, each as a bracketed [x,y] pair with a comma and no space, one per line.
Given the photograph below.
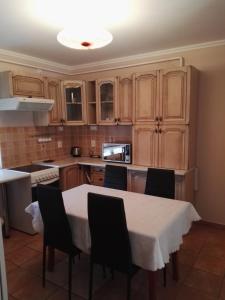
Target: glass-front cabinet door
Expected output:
[106,97]
[74,96]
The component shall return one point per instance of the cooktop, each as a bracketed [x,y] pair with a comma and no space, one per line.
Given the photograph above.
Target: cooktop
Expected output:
[30,168]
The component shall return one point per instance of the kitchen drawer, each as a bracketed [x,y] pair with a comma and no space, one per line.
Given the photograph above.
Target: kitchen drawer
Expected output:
[97,177]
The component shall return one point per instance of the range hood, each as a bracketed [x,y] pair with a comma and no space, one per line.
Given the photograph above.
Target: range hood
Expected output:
[25,104]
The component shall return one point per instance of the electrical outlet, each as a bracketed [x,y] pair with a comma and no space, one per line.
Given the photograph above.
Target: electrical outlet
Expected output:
[93,143]
[59,144]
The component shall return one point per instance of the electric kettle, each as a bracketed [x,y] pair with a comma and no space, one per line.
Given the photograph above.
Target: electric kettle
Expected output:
[75,151]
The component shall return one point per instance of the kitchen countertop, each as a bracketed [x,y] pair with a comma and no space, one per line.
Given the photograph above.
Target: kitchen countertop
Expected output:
[97,162]
[10,175]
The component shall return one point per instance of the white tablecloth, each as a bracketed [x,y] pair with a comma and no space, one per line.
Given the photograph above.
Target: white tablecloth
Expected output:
[156,225]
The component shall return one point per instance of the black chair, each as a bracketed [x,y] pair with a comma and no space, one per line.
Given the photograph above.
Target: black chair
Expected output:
[110,244]
[57,232]
[160,183]
[115,177]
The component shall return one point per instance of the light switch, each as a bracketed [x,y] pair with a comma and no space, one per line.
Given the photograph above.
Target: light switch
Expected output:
[59,144]
[93,143]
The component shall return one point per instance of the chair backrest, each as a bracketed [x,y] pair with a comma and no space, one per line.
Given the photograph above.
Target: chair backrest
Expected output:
[160,183]
[110,244]
[57,232]
[115,177]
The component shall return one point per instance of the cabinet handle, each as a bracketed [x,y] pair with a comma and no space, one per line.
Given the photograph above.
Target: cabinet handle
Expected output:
[118,120]
[160,119]
[156,130]
[160,130]
[156,119]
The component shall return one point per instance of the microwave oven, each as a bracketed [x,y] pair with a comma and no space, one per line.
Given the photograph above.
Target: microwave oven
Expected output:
[120,153]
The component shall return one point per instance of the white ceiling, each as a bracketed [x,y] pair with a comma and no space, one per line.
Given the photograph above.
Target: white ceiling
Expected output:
[153,25]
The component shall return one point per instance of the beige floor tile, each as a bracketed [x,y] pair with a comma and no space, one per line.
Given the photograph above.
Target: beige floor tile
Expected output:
[10,266]
[37,244]
[60,274]
[17,280]
[193,243]
[214,249]
[205,282]
[81,278]
[187,257]
[34,290]
[203,249]
[188,293]
[20,256]
[222,292]
[11,297]
[210,264]
[33,265]
[62,294]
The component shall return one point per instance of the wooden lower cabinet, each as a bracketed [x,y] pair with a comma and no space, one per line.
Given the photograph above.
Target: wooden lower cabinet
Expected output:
[97,176]
[184,184]
[70,177]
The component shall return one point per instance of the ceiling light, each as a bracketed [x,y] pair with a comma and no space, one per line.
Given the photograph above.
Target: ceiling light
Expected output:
[85,38]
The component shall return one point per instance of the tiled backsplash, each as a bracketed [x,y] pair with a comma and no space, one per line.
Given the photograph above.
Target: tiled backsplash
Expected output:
[19,146]
[82,136]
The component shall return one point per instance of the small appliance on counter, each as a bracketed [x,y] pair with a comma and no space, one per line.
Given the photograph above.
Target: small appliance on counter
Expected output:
[116,153]
[75,151]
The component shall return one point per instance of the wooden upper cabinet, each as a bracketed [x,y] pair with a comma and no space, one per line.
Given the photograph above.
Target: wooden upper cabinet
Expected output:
[165,96]
[74,102]
[125,100]
[106,91]
[145,145]
[28,86]
[21,85]
[146,97]
[53,91]
[174,96]
[173,146]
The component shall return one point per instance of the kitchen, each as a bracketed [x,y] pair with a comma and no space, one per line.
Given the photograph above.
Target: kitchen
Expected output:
[23,143]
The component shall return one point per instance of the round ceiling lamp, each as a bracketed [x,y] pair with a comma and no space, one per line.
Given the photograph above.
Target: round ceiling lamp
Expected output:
[90,38]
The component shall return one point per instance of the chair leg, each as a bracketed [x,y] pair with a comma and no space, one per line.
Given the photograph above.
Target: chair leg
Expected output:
[70,275]
[43,264]
[164,276]
[128,286]
[112,273]
[104,271]
[90,280]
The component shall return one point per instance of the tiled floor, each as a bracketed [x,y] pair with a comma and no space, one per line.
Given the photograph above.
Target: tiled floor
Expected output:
[201,262]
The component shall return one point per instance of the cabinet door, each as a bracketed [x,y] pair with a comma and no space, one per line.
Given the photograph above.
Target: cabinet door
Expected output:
[125,100]
[174,102]
[173,146]
[69,177]
[97,176]
[145,145]
[106,98]
[75,104]
[53,91]
[28,86]
[146,98]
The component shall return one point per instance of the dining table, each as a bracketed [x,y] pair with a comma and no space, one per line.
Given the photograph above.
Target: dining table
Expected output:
[156,226]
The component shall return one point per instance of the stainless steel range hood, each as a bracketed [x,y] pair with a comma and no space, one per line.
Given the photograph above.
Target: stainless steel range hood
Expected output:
[25,104]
